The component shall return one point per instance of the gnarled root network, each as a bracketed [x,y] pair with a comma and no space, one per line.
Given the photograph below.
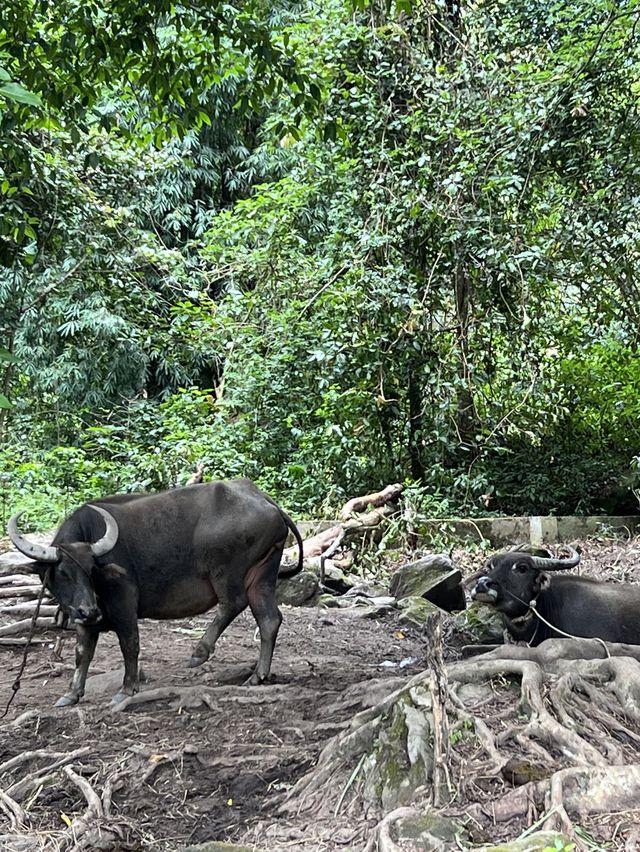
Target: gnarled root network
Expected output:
[541,733]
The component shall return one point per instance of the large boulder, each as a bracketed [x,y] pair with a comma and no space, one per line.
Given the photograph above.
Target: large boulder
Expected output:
[433,577]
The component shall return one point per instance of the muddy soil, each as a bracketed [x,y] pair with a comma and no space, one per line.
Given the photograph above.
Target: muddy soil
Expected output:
[202,773]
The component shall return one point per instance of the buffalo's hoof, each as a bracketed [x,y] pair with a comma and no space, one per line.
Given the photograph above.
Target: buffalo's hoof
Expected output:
[197,661]
[254,680]
[67,700]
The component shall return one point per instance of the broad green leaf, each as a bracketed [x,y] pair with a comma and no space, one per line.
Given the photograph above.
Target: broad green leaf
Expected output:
[16,92]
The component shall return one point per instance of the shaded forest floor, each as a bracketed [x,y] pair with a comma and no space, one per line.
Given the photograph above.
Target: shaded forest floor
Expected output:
[190,774]
[177,771]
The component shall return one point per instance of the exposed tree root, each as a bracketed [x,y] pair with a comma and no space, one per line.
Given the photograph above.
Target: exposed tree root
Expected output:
[560,721]
[93,828]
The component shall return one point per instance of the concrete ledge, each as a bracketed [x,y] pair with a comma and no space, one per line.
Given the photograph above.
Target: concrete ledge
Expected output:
[534,530]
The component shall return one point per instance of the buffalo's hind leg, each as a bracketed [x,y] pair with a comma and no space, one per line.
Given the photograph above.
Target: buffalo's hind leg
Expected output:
[262,600]
[86,641]
[232,600]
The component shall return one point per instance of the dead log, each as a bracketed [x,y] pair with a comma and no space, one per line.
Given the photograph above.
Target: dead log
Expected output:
[23,626]
[20,591]
[350,526]
[16,579]
[380,498]
[29,608]
[196,476]
[317,544]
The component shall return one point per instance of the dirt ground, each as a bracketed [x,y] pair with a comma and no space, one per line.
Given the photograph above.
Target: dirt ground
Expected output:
[219,772]
[181,775]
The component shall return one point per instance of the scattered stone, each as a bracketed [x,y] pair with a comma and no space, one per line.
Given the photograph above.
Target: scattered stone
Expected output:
[109,682]
[429,831]
[335,579]
[519,771]
[219,846]
[432,577]
[328,601]
[416,611]
[479,624]
[373,611]
[536,842]
[299,590]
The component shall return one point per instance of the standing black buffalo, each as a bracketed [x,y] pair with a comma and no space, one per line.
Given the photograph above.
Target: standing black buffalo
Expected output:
[517,582]
[166,555]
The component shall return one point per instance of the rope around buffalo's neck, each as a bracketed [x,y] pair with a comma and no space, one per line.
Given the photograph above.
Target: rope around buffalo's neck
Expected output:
[32,630]
[532,607]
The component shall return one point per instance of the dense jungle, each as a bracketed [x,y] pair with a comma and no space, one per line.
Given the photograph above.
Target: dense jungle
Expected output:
[365,253]
[323,245]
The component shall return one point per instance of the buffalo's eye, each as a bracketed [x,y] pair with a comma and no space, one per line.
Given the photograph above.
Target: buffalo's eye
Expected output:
[520,567]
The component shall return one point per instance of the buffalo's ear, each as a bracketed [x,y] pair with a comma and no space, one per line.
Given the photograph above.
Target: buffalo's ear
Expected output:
[543,581]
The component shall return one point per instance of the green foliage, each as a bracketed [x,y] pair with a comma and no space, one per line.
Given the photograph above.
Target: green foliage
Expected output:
[325,247]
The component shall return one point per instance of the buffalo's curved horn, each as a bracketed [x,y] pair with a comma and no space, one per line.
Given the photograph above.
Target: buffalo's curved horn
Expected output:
[108,541]
[39,552]
[556,564]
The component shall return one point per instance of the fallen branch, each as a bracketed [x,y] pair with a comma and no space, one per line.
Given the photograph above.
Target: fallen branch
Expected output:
[28,607]
[16,579]
[22,787]
[350,526]
[380,498]
[197,476]
[18,627]
[20,591]
[17,816]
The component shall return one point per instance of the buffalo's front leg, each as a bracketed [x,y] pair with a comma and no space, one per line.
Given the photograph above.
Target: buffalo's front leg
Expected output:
[129,639]
[86,641]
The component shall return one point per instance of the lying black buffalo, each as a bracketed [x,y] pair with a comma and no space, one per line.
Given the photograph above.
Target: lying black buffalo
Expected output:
[517,584]
[167,555]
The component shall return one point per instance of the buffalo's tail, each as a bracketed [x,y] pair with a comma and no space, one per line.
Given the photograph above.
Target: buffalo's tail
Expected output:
[291,572]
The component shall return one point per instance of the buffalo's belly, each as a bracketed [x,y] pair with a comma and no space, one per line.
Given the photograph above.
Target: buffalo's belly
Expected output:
[181,600]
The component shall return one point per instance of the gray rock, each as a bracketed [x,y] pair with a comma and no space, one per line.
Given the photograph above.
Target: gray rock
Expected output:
[299,590]
[480,624]
[536,842]
[219,846]
[432,577]
[416,611]
[373,611]
[335,578]
[429,831]
[109,682]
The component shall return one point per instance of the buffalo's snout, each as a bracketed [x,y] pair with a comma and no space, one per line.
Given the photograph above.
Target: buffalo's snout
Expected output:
[486,590]
[86,614]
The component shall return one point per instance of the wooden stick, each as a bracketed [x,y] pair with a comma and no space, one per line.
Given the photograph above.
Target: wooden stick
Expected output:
[358,504]
[19,627]
[20,591]
[17,816]
[19,579]
[28,607]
